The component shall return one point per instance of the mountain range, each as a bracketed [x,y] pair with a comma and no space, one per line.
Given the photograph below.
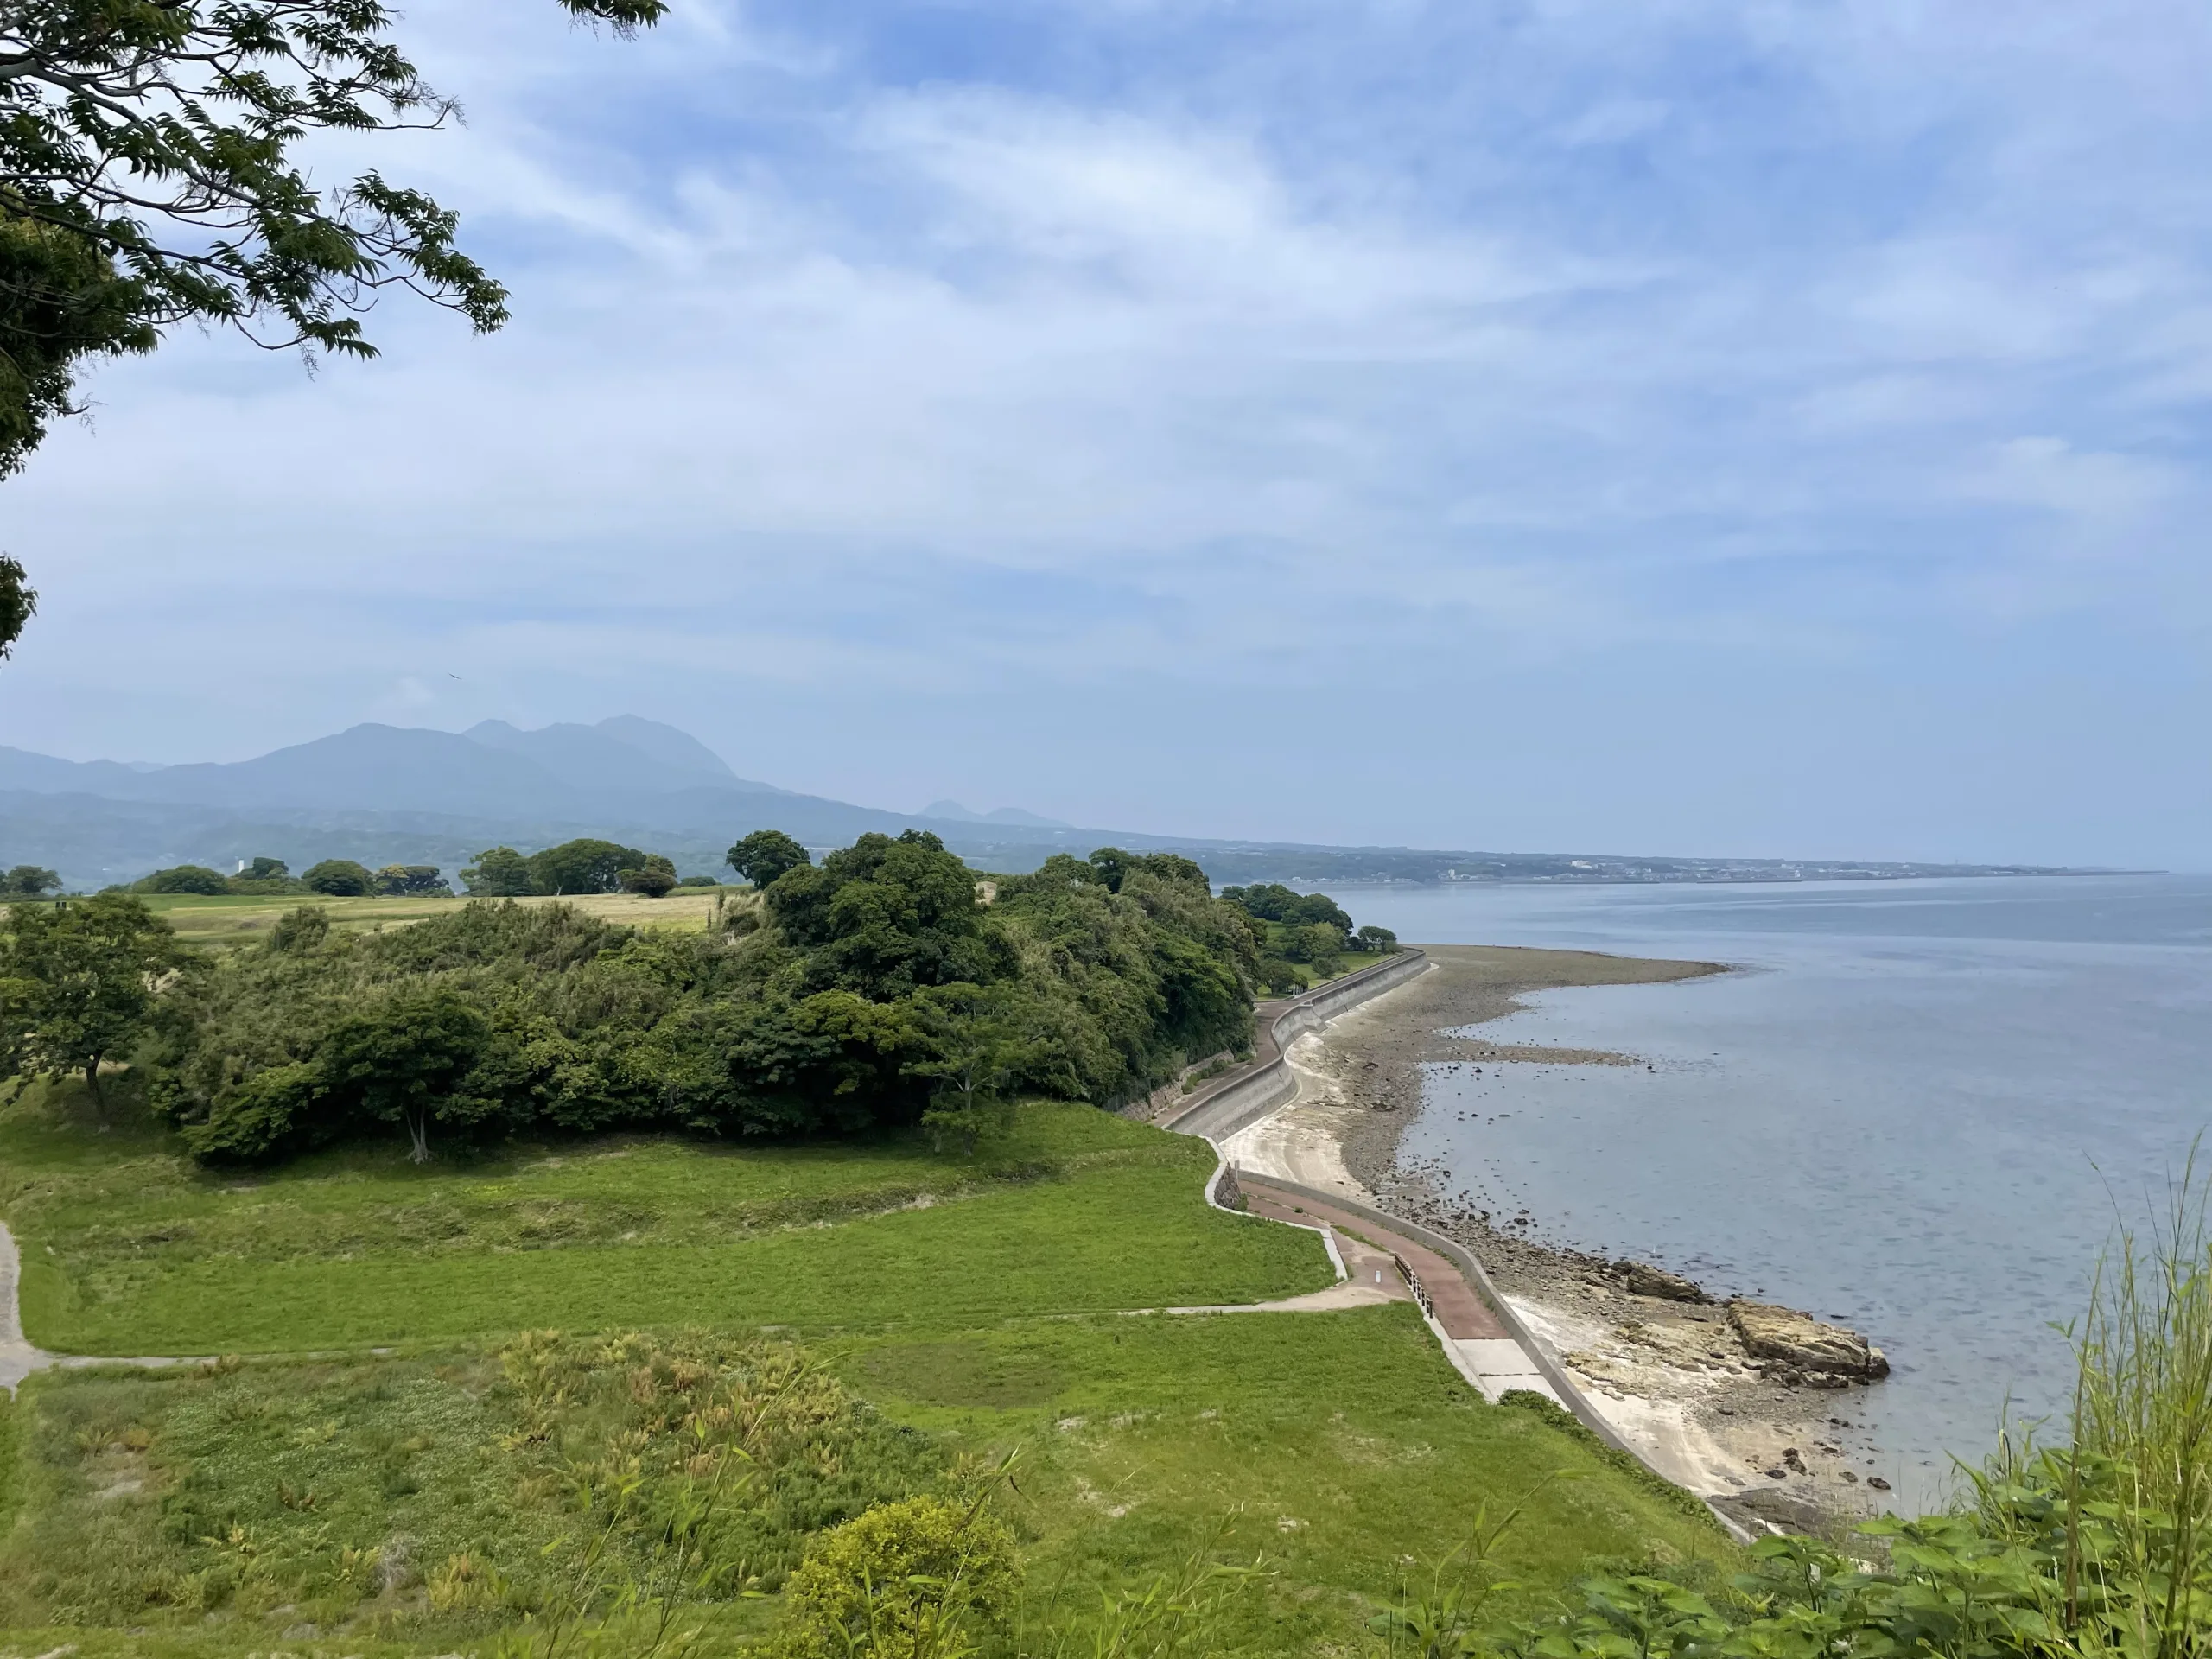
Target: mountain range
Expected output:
[389,793]
[392,794]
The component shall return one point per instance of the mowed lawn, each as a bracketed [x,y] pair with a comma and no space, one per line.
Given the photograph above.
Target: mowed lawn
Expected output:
[129,1249]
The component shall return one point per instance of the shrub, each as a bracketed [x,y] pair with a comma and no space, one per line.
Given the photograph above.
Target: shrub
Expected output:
[905,1580]
[654,879]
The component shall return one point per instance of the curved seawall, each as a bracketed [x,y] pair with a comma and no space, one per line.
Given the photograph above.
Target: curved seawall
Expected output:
[1265,1081]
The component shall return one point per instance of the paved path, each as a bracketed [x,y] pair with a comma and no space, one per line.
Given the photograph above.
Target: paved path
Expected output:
[18,1359]
[1475,1340]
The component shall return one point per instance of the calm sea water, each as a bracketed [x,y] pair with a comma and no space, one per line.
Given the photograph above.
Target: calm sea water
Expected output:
[1918,1108]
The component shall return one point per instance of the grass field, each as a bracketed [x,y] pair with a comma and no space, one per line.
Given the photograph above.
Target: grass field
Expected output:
[204,919]
[130,1248]
[421,1500]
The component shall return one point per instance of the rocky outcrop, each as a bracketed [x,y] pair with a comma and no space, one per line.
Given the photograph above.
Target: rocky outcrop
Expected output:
[1641,1278]
[1798,1342]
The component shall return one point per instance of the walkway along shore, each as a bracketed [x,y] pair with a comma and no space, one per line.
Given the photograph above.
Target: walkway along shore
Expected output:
[1486,1340]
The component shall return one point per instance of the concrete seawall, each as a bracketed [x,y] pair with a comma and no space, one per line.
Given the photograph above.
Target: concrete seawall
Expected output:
[1265,1081]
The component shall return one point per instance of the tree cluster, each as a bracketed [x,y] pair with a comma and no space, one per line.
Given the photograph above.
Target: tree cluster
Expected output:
[573,868]
[876,988]
[1296,931]
[333,878]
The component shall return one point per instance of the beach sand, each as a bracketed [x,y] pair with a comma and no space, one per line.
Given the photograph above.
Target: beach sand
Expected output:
[1671,1378]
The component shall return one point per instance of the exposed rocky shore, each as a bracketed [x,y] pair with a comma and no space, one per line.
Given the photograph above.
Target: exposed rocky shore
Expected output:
[1750,1403]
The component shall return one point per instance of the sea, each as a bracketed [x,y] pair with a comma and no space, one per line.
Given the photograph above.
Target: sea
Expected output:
[1917,1108]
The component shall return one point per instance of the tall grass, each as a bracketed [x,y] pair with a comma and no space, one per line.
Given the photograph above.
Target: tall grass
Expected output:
[2138,1475]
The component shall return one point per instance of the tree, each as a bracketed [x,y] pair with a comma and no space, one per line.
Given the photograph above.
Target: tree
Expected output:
[585,865]
[765,855]
[340,878]
[265,869]
[150,174]
[29,881]
[77,985]
[884,917]
[655,879]
[1376,941]
[978,1051]
[498,873]
[184,878]
[18,601]
[406,881]
[402,1061]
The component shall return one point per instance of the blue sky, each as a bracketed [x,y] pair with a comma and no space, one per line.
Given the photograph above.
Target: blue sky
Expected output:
[1722,429]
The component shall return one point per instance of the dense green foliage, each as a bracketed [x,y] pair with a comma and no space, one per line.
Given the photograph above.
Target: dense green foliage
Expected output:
[29,881]
[854,994]
[765,855]
[573,867]
[340,878]
[1309,929]
[78,980]
[183,877]
[18,603]
[149,175]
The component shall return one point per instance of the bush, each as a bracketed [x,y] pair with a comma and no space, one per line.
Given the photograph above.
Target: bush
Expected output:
[184,878]
[904,1581]
[340,878]
[655,879]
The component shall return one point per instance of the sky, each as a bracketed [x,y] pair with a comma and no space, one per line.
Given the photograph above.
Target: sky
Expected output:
[1701,429]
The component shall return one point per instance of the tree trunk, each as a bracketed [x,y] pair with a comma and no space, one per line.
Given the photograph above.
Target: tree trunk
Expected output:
[99,1101]
[418,1131]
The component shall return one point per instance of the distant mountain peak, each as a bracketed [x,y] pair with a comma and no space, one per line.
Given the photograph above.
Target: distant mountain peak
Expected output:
[953,812]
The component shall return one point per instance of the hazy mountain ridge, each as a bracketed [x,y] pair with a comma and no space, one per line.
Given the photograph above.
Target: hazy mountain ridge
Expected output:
[390,794]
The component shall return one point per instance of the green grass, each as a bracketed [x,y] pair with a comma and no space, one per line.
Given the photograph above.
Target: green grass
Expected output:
[973,1303]
[138,1252]
[1339,1443]
[240,918]
[350,1492]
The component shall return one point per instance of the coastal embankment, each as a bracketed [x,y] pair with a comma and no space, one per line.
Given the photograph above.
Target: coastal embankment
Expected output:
[1751,1407]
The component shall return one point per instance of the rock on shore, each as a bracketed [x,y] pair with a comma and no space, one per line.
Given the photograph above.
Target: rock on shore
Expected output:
[1798,1340]
[1641,1278]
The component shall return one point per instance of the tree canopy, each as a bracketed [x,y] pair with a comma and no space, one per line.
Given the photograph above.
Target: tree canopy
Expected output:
[765,855]
[340,878]
[152,174]
[874,990]
[585,865]
[77,984]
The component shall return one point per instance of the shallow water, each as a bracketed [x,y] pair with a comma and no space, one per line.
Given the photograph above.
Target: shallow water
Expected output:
[1917,1109]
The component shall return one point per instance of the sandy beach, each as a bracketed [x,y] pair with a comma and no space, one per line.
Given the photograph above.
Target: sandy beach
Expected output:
[1770,1442]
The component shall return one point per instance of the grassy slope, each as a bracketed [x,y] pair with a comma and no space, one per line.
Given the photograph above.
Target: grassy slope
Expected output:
[128,1249]
[1334,1444]
[1341,1444]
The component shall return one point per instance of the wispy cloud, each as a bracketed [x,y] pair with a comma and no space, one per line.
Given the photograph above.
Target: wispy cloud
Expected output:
[913,364]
